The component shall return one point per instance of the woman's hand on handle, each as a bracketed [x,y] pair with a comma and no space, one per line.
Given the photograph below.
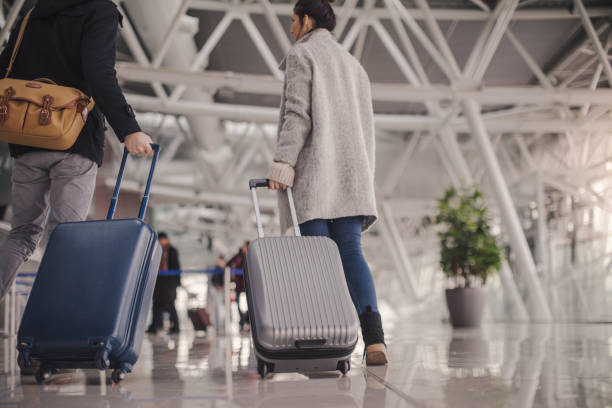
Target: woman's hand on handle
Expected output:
[281,176]
[139,144]
[275,185]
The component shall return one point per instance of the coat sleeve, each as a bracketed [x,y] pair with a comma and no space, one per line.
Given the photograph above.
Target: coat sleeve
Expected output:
[296,121]
[99,49]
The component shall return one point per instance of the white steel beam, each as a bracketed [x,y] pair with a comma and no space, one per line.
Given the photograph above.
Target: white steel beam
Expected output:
[286,9]
[389,92]
[400,29]
[448,139]
[497,33]
[140,56]
[529,60]
[193,195]
[507,280]
[201,59]
[446,162]
[479,44]
[577,72]
[261,46]
[344,15]
[351,36]
[394,176]
[540,308]
[395,52]
[592,86]
[277,27]
[439,38]
[170,35]
[406,271]
[525,151]
[421,36]
[588,26]
[481,4]
[384,121]
[575,52]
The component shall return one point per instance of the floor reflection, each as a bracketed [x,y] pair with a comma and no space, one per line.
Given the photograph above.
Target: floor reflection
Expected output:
[510,366]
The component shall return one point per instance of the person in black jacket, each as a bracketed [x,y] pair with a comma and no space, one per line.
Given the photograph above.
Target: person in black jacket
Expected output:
[237,262]
[164,295]
[73,43]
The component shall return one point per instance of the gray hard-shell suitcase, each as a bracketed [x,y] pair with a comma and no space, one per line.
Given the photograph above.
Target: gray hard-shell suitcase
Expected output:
[302,316]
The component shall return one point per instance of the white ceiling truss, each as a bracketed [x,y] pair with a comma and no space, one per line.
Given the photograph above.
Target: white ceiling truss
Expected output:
[554,132]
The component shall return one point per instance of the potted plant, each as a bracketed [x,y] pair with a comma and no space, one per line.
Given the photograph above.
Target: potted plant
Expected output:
[469,253]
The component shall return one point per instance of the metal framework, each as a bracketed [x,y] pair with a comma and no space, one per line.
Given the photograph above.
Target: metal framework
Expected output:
[554,134]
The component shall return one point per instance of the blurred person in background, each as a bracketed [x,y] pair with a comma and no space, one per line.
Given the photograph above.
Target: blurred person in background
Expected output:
[164,296]
[237,262]
[215,298]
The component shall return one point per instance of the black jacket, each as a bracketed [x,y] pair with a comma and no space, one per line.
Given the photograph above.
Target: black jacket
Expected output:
[172,281]
[73,42]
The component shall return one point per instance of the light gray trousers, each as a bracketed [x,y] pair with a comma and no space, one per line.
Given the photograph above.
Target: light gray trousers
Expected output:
[48,188]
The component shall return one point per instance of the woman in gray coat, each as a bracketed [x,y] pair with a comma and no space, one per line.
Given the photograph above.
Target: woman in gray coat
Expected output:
[325,152]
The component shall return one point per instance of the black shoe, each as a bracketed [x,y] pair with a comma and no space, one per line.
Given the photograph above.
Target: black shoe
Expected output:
[151,330]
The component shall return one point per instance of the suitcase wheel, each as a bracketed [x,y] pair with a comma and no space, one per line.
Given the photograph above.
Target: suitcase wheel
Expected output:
[102,360]
[23,361]
[344,366]
[117,376]
[264,368]
[44,373]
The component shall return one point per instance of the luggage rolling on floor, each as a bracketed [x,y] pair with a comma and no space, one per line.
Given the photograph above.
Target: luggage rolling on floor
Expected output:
[92,294]
[302,316]
[199,318]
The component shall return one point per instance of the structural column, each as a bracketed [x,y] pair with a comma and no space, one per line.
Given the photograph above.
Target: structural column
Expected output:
[540,310]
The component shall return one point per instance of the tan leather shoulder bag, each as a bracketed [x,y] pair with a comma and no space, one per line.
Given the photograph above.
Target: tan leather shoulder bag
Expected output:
[39,113]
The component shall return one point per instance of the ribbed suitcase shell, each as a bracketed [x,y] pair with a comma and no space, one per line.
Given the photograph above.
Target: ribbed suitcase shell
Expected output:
[298,296]
[93,291]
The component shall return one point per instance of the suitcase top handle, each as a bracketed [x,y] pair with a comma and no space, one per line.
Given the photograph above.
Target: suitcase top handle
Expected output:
[145,198]
[254,184]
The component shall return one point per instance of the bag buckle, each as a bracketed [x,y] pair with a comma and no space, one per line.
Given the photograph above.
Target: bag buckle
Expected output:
[4,100]
[45,114]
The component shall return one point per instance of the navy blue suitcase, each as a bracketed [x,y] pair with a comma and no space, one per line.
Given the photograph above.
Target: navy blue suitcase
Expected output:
[90,300]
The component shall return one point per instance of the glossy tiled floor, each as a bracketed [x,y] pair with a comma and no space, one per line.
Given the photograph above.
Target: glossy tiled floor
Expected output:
[432,366]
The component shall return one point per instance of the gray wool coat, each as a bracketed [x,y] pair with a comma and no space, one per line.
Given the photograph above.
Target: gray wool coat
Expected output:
[326,132]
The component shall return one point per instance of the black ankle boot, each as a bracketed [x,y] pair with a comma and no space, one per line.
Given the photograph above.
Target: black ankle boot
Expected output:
[371,327]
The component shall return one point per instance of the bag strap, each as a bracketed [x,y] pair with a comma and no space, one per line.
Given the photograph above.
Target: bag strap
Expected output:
[18,43]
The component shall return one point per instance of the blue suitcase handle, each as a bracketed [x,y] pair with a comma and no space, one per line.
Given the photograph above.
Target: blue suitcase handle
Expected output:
[145,197]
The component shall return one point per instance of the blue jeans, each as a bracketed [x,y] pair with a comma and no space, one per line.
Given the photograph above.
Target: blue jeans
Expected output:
[346,232]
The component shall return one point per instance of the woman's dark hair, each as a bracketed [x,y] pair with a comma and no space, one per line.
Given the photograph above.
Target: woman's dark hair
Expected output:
[320,11]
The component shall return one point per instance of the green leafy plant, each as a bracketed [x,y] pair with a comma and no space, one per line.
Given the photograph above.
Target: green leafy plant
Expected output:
[469,251]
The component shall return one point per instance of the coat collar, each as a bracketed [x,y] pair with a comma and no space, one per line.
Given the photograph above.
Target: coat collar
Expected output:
[49,8]
[317,33]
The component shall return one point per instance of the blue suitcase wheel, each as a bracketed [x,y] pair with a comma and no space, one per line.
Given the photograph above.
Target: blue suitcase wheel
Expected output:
[44,373]
[117,376]
[23,361]
[102,360]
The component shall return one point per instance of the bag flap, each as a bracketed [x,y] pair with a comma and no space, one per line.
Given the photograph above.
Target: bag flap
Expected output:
[35,91]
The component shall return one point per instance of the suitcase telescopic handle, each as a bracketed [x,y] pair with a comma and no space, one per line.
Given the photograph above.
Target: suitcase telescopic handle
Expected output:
[254,184]
[145,198]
